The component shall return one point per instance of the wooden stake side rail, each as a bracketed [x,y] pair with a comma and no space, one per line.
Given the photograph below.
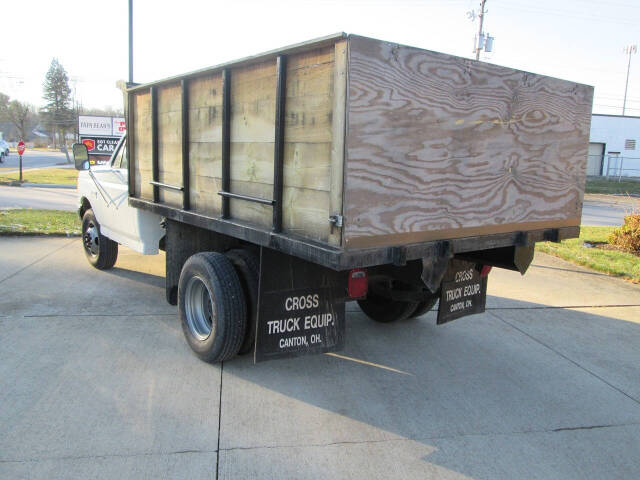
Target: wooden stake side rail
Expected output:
[208,136]
[339,259]
[350,145]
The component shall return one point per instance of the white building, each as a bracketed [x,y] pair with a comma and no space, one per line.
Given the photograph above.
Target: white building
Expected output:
[614,146]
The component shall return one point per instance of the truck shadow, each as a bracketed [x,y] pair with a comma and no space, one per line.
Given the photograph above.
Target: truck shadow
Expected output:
[137,276]
[490,395]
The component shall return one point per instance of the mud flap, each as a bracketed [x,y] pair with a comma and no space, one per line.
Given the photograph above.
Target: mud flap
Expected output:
[463,292]
[301,307]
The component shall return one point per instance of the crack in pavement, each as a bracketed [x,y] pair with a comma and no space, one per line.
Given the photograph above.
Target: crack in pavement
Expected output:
[437,437]
[551,307]
[593,374]
[108,455]
[329,444]
[38,260]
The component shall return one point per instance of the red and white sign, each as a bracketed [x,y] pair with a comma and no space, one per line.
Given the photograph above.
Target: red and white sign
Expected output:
[119,126]
[101,126]
[90,143]
[20,147]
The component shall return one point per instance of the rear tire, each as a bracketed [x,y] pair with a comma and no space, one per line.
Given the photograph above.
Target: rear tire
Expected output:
[385,310]
[212,307]
[425,305]
[102,252]
[247,265]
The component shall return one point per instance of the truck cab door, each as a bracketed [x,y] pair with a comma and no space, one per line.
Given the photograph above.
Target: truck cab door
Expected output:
[129,226]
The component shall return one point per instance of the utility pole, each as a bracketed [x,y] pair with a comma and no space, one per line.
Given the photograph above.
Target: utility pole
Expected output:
[480,33]
[629,49]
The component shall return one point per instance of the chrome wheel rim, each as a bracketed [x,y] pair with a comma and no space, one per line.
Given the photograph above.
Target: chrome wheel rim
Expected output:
[198,307]
[91,240]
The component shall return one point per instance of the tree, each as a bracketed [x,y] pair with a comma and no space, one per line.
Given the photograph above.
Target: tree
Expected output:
[58,114]
[20,114]
[4,105]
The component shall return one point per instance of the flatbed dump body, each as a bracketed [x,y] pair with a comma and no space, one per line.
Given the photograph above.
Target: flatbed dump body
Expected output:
[350,151]
[283,185]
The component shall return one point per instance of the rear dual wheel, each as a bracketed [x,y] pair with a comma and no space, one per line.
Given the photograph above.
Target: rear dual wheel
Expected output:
[386,310]
[217,303]
[212,307]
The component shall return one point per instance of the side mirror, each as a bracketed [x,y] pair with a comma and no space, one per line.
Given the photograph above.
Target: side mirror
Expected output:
[80,156]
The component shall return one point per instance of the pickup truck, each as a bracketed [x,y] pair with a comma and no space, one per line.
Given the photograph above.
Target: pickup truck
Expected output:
[342,169]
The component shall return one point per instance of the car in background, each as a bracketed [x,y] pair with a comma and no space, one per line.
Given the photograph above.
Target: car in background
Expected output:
[4,149]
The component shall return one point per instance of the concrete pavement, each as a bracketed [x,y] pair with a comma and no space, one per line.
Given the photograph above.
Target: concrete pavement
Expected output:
[34,159]
[607,209]
[96,381]
[38,197]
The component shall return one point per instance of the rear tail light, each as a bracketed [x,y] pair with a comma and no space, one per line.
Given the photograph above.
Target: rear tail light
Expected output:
[485,270]
[358,283]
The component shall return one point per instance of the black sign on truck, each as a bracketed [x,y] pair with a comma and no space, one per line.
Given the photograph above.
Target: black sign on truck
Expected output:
[300,308]
[463,292]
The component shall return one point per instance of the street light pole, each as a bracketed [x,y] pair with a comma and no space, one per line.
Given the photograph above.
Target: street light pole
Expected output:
[628,50]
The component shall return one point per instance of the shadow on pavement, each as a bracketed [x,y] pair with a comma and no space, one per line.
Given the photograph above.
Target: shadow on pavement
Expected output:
[488,396]
[142,277]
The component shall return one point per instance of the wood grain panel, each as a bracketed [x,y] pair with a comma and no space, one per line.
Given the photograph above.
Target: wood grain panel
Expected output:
[205,149]
[170,143]
[438,143]
[142,146]
[338,133]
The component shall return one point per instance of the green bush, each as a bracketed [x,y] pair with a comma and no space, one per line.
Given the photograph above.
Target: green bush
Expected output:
[627,237]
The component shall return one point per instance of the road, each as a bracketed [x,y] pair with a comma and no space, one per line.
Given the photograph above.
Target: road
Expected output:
[96,381]
[34,159]
[37,197]
[607,209]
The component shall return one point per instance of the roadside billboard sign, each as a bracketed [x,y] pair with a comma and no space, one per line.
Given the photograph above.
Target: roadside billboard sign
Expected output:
[101,126]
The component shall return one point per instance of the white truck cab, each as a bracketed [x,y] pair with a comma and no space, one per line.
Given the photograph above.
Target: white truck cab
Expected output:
[107,218]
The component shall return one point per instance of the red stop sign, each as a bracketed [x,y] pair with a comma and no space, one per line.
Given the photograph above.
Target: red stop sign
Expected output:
[20,147]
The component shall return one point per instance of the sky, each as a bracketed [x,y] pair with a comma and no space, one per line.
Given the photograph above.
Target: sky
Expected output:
[581,41]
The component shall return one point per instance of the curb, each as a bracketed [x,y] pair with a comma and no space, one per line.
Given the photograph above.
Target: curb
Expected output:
[49,185]
[8,233]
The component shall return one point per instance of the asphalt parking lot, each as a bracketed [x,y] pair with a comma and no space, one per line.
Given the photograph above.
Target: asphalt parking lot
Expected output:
[96,381]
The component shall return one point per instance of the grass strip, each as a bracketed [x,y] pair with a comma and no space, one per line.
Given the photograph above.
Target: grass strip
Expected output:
[611,261]
[58,176]
[39,222]
[602,185]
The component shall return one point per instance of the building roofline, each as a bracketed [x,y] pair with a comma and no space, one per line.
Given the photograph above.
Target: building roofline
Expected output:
[612,115]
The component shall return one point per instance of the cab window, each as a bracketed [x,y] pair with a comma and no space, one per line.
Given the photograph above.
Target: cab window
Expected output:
[120,160]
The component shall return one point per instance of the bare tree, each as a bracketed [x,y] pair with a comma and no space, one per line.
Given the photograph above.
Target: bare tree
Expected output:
[20,114]
[4,105]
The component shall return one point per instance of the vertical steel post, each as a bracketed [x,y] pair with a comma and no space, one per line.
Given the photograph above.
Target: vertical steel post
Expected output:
[226,140]
[185,144]
[278,150]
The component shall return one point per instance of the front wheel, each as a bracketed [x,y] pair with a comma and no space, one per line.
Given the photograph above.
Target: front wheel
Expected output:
[102,252]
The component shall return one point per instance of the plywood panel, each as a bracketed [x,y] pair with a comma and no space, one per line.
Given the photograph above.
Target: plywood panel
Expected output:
[338,132]
[440,146]
[205,149]
[142,146]
[170,143]
[308,136]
